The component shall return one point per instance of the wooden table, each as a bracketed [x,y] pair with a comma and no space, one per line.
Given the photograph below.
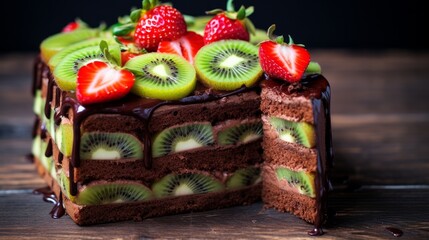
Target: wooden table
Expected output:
[380,116]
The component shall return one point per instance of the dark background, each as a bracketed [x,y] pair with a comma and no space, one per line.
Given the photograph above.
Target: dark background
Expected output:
[364,24]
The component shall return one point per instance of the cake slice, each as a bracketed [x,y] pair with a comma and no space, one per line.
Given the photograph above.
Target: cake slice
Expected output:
[295,105]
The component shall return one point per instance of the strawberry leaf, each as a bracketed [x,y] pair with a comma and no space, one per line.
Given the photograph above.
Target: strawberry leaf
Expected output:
[135,15]
[230,6]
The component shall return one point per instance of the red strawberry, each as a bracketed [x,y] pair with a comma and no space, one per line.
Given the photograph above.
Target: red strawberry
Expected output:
[100,82]
[127,55]
[186,46]
[161,23]
[74,25]
[281,60]
[229,24]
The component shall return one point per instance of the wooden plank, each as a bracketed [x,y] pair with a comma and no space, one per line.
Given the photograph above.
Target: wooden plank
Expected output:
[362,214]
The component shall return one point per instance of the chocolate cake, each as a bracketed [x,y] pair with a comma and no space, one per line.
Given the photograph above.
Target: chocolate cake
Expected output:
[132,124]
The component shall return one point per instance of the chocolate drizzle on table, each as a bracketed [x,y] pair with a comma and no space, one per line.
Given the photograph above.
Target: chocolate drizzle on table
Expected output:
[316,88]
[140,108]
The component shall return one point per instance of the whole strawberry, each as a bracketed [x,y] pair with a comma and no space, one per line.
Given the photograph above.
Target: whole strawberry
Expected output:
[229,24]
[158,23]
[286,61]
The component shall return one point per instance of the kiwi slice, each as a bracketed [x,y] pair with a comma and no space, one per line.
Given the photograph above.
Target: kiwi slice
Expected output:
[64,183]
[47,162]
[228,64]
[64,137]
[240,134]
[182,138]
[65,73]
[38,103]
[295,132]
[313,68]
[244,177]
[36,147]
[116,192]
[109,146]
[53,62]
[185,184]
[55,43]
[302,181]
[162,76]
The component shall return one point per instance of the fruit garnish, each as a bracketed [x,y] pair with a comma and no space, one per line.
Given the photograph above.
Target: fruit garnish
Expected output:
[286,61]
[162,76]
[229,24]
[186,46]
[77,24]
[228,64]
[100,81]
[151,25]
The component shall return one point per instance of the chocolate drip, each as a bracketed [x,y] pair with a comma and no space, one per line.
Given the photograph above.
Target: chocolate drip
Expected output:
[43,131]
[60,157]
[395,231]
[49,196]
[49,96]
[37,75]
[48,152]
[35,126]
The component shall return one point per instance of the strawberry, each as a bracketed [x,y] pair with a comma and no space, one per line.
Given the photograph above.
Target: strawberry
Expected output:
[100,82]
[74,25]
[186,46]
[127,55]
[156,24]
[229,24]
[286,61]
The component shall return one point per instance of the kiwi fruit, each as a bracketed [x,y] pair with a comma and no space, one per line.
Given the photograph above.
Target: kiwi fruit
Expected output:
[47,162]
[294,132]
[240,134]
[64,137]
[228,64]
[162,76]
[64,183]
[197,23]
[302,181]
[259,36]
[36,147]
[55,43]
[115,192]
[313,68]
[185,184]
[38,103]
[182,138]
[109,146]
[65,73]
[244,177]
[53,62]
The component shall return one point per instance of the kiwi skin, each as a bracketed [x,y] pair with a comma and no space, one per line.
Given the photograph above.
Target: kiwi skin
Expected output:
[109,146]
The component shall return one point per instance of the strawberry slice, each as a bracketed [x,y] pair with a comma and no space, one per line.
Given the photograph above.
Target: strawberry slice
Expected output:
[286,61]
[100,82]
[74,25]
[186,46]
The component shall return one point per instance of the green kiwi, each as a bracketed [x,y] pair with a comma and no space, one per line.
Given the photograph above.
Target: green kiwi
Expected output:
[302,181]
[64,137]
[228,64]
[162,76]
[240,134]
[115,192]
[182,138]
[64,183]
[185,184]
[47,162]
[244,177]
[36,147]
[313,68]
[109,146]
[55,43]
[259,36]
[197,23]
[65,73]
[53,62]
[38,103]
[50,123]
[294,132]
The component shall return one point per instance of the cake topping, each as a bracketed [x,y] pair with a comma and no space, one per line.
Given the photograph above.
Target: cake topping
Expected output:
[186,46]
[286,61]
[77,24]
[229,24]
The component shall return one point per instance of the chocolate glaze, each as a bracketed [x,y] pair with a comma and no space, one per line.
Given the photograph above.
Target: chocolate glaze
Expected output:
[316,88]
[49,149]
[131,105]
[395,231]
[49,196]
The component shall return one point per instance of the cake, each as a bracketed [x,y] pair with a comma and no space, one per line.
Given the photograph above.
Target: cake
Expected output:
[141,120]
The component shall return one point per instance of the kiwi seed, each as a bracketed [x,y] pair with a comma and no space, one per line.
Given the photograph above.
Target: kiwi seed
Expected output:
[182,138]
[109,146]
[295,132]
[162,76]
[116,192]
[228,64]
[240,134]
[186,184]
[302,181]
[244,177]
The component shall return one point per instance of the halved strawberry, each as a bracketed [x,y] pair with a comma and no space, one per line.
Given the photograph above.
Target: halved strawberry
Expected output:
[74,25]
[186,46]
[100,82]
[286,61]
